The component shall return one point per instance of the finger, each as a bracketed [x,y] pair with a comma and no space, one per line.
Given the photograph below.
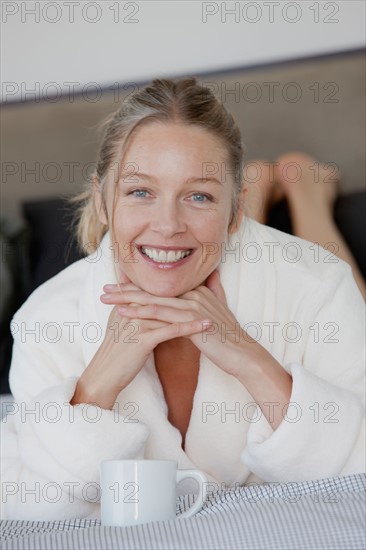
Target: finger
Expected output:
[124,322]
[176,330]
[148,324]
[120,287]
[116,315]
[155,311]
[141,297]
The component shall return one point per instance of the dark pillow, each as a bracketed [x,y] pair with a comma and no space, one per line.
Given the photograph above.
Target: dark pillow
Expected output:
[52,244]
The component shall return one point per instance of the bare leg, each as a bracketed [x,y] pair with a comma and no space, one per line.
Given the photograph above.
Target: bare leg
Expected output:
[311,189]
[261,189]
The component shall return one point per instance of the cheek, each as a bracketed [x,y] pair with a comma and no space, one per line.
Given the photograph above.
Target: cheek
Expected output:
[214,232]
[214,244]
[211,222]
[210,256]
[126,225]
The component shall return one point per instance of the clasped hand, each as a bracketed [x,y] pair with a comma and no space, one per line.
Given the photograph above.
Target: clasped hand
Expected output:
[222,340]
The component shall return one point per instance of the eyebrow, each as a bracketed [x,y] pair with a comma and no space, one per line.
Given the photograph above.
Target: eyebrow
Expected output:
[192,179]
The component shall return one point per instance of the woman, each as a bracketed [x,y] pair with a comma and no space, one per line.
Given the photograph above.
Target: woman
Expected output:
[223,346]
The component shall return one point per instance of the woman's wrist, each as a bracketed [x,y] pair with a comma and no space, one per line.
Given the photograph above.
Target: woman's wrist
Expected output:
[266,380]
[103,397]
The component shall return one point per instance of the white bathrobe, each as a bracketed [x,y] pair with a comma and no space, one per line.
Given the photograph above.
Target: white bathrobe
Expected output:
[297,300]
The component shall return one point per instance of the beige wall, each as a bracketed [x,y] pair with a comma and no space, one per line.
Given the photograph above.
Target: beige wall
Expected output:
[134,41]
[331,127]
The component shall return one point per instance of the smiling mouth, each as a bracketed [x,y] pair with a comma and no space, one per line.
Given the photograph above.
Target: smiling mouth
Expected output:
[165,256]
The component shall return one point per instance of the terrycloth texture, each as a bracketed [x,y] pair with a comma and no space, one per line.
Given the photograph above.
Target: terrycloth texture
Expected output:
[306,311]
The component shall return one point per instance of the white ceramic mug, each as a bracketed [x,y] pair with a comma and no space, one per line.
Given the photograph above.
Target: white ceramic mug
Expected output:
[140,491]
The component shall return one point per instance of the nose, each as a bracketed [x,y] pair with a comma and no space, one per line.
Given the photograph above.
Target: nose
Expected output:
[168,219]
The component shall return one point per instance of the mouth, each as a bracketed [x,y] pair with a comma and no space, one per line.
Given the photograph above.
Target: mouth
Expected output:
[165,257]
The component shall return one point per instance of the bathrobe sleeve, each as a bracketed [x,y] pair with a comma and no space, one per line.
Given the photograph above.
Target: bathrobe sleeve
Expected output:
[323,432]
[51,451]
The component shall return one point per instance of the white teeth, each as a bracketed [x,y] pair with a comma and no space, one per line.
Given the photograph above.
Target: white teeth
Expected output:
[162,256]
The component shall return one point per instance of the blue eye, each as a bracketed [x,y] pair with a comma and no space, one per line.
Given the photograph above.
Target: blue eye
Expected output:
[138,191]
[202,195]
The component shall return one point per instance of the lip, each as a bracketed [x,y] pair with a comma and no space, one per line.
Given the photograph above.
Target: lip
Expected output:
[158,265]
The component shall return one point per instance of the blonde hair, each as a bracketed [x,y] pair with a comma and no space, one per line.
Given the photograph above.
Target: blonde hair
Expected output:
[165,100]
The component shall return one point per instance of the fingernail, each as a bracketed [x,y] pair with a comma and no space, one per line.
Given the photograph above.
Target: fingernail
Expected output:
[109,287]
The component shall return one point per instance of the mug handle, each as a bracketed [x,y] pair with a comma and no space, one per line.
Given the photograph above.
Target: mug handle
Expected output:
[202,482]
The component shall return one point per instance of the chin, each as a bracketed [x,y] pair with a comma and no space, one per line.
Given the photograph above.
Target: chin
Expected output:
[166,290]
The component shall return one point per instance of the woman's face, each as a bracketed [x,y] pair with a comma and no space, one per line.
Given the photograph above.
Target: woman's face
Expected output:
[167,205]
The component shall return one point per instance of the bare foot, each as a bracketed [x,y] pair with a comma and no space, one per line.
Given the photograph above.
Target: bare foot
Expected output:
[261,189]
[309,186]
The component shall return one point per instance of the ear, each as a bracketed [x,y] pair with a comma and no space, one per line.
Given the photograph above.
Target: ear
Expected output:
[233,227]
[99,201]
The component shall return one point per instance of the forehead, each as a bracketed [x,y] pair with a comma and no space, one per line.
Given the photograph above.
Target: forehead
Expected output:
[157,142]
